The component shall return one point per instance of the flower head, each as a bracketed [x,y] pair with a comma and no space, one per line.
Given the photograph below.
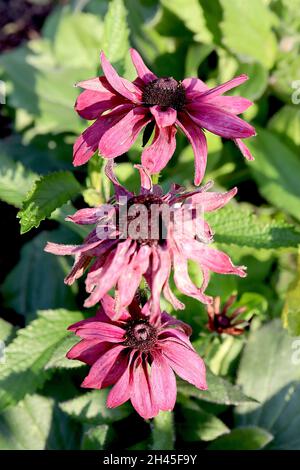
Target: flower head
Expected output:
[220,321]
[137,356]
[160,234]
[122,109]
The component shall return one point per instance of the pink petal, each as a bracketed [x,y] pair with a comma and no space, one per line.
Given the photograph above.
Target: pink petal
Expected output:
[99,84]
[220,89]
[146,181]
[186,363]
[220,122]
[212,201]
[164,117]
[142,395]
[198,142]
[142,70]
[156,156]
[88,216]
[160,271]
[121,85]
[118,188]
[120,136]
[244,149]
[232,104]
[193,87]
[163,383]
[88,351]
[78,268]
[168,320]
[170,297]
[130,279]
[120,392]
[59,249]
[89,105]
[101,331]
[109,365]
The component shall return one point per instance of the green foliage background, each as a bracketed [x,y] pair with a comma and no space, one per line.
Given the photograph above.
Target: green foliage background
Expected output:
[254,381]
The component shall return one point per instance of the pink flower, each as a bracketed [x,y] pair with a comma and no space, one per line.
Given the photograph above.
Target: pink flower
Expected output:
[166,103]
[137,356]
[121,258]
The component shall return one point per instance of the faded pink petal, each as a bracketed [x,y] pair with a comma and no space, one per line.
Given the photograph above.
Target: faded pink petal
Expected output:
[164,117]
[142,70]
[244,149]
[119,137]
[163,383]
[88,216]
[121,85]
[198,142]
[178,356]
[220,122]
[156,156]
[146,181]
[212,201]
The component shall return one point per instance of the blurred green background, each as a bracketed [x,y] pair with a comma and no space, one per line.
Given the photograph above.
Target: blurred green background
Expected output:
[46,47]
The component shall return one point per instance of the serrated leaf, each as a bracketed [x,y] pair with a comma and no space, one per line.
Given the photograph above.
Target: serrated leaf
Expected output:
[269,371]
[247,438]
[276,170]
[238,225]
[6,331]
[58,360]
[26,357]
[90,408]
[163,432]
[36,424]
[291,308]
[219,391]
[115,42]
[206,426]
[47,194]
[15,181]
[247,32]
[95,438]
[36,282]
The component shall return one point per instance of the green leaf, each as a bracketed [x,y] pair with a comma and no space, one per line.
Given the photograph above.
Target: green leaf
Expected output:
[163,435]
[286,124]
[90,408]
[247,438]
[46,195]
[205,427]
[276,169]
[269,371]
[291,308]
[219,391]
[36,282]
[115,41]
[15,181]
[95,438]
[192,17]
[247,31]
[36,424]
[26,357]
[58,360]
[240,226]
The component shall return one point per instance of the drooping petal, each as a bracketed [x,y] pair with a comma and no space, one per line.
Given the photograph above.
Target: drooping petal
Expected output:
[220,89]
[186,363]
[232,104]
[171,297]
[212,201]
[146,181]
[142,70]
[118,138]
[89,105]
[142,397]
[220,122]
[81,263]
[164,117]
[163,383]
[109,363]
[244,149]
[87,143]
[121,85]
[157,276]
[156,156]
[198,142]
[119,189]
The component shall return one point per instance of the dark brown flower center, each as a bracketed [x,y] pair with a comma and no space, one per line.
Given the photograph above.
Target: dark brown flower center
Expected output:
[146,221]
[140,335]
[166,92]
[222,321]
